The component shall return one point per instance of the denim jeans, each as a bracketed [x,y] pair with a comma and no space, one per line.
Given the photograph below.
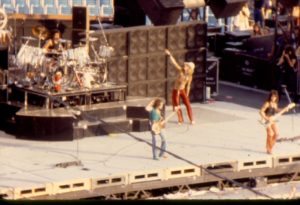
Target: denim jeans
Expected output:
[162,147]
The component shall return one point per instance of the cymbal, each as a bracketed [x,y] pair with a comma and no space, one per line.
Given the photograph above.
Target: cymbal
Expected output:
[28,38]
[86,32]
[64,41]
[40,32]
[91,39]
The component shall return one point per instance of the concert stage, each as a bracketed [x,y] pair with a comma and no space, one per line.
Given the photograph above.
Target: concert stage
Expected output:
[226,141]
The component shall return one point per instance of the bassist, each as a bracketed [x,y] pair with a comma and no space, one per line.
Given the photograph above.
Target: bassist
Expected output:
[268,113]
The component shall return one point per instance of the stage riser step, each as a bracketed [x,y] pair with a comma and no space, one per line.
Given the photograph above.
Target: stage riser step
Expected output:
[45,128]
[128,125]
[137,112]
[102,129]
[107,112]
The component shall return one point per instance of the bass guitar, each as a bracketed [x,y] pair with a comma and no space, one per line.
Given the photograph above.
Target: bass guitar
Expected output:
[267,123]
[159,125]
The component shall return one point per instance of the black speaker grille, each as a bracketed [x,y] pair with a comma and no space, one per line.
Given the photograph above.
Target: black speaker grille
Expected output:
[79,17]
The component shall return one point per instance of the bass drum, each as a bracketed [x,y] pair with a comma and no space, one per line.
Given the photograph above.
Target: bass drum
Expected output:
[100,71]
[68,76]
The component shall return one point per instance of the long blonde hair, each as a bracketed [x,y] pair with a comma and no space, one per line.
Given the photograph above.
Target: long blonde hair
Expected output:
[191,66]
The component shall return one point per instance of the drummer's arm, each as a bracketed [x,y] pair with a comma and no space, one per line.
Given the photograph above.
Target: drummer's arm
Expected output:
[47,45]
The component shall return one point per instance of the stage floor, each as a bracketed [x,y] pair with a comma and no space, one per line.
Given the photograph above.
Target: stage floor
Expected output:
[226,129]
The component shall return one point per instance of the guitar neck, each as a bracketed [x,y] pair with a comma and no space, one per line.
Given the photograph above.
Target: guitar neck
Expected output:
[281,112]
[170,116]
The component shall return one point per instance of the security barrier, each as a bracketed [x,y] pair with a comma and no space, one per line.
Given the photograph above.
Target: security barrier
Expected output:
[109,181]
[186,171]
[21,193]
[71,185]
[90,184]
[144,176]
[286,160]
[254,164]
[222,167]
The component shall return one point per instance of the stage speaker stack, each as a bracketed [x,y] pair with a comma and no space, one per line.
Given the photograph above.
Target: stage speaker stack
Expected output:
[139,59]
[162,12]
[80,23]
[225,8]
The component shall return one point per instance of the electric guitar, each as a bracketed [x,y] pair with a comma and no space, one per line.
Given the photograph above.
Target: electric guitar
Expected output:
[267,123]
[157,126]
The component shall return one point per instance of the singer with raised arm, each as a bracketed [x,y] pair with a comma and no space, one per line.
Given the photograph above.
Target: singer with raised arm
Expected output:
[269,113]
[182,86]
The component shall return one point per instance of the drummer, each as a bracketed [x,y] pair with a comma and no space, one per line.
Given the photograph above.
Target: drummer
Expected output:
[54,44]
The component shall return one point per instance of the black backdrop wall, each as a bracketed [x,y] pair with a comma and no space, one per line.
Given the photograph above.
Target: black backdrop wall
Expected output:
[140,61]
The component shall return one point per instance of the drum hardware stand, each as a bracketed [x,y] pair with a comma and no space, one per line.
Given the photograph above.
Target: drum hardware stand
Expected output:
[95,52]
[102,31]
[106,44]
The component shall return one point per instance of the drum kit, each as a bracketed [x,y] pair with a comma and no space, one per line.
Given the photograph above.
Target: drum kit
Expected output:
[57,70]
[70,69]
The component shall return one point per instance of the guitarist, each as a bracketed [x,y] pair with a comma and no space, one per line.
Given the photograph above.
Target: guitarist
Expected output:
[155,116]
[267,112]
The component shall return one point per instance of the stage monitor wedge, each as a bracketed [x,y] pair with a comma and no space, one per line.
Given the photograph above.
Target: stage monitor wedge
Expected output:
[162,12]
[225,8]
